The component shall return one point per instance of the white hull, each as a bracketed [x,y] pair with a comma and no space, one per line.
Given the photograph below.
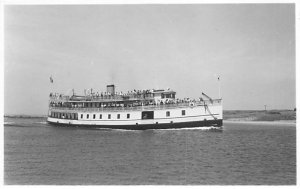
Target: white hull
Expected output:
[211,114]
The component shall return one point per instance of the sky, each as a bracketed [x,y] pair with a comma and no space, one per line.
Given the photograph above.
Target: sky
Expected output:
[183,47]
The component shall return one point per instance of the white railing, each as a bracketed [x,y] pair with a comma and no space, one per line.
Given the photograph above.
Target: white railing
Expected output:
[140,108]
[104,98]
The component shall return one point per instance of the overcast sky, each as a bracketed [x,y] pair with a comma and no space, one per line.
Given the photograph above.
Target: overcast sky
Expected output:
[184,47]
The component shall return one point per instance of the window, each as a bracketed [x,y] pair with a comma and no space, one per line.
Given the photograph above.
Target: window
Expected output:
[118,116]
[100,117]
[109,116]
[128,116]
[87,116]
[183,112]
[148,115]
[94,116]
[168,114]
[81,116]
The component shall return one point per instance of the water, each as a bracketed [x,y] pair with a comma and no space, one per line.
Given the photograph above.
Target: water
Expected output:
[37,153]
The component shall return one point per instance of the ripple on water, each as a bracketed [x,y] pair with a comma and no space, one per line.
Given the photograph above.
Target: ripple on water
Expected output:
[239,154]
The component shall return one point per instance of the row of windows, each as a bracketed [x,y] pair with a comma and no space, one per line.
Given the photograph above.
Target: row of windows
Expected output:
[168,114]
[64,115]
[168,95]
[74,115]
[100,116]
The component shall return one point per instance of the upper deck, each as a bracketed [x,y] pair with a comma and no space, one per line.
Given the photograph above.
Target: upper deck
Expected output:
[111,95]
[118,101]
[102,98]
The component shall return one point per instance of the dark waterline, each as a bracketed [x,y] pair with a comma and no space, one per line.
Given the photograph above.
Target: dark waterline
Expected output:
[36,153]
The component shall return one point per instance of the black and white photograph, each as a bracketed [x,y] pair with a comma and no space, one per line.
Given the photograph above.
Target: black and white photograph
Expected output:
[149,94]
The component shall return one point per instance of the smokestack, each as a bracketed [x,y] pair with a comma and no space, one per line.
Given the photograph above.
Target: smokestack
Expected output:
[110,89]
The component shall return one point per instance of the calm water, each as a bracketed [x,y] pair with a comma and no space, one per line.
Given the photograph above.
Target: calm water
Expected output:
[36,153]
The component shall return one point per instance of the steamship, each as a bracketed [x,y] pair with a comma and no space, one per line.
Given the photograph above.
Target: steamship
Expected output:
[136,110]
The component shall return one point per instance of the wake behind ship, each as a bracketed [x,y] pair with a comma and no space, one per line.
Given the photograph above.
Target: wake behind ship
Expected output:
[138,110]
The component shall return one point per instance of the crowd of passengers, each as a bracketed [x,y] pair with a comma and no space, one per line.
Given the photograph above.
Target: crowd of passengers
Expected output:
[116,95]
[107,95]
[56,95]
[107,105]
[129,93]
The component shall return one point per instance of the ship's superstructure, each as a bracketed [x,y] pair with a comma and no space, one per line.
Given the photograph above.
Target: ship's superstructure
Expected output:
[137,109]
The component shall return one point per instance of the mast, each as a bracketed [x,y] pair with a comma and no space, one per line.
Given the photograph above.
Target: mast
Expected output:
[219,85]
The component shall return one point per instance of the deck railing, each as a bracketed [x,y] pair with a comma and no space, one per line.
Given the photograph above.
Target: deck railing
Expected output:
[140,108]
[104,98]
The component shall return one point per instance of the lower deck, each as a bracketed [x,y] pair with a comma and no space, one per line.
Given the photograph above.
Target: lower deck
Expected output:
[144,119]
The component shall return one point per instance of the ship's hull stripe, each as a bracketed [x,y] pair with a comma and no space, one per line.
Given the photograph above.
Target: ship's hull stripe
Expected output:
[217,123]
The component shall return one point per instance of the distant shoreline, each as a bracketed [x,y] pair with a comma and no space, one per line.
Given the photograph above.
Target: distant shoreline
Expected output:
[259,115]
[233,116]
[25,116]
[280,122]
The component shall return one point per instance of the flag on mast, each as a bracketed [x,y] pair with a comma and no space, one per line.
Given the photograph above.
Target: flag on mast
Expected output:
[219,86]
[51,79]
